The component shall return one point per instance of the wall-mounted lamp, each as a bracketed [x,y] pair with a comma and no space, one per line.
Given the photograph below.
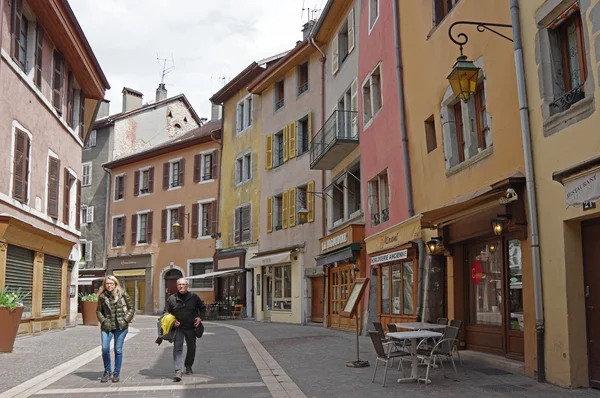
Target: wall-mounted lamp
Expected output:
[500,222]
[433,245]
[176,226]
[492,248]
[302,216]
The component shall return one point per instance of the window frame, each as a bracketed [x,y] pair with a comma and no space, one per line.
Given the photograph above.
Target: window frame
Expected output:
[203,262]
[389,266]
[172,210]
[173,175]
[375,96]
[372,23]
[240,222]
[119,178]
[278,155]
[279,94]
[300,136]
[138,232]
[114,242]
[244,117]
[303,71]
[278,211]
[16,128]
[201,218]
[284,297]
[376,187]
[89,174]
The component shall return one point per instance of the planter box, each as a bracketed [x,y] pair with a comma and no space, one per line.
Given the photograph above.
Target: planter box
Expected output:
[9,326]
[88,313]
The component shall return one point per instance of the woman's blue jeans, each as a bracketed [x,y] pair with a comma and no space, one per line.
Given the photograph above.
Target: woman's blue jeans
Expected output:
[119,339]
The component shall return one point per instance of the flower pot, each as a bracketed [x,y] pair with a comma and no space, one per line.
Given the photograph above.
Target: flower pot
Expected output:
[9,326]
[88,313]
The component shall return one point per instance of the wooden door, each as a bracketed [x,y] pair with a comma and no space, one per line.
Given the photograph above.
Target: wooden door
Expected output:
[170,287]
[316,309]
[590,236]
[340,283]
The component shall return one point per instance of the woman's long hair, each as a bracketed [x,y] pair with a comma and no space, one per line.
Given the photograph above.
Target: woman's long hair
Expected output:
[117,292]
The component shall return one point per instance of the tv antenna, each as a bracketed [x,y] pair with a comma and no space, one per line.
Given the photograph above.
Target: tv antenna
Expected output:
[165,70]
[221,78]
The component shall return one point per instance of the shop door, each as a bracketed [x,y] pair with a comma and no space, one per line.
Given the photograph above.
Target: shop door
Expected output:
[590,236]
[268,297]
[316,308]
[340,282]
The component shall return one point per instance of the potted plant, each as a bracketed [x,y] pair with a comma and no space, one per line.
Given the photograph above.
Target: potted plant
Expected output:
[11,310]
[89,303]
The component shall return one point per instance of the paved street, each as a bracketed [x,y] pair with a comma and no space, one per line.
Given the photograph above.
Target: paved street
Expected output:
[239,359]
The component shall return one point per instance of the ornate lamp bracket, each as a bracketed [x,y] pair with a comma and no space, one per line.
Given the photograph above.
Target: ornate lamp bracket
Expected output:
[462,39]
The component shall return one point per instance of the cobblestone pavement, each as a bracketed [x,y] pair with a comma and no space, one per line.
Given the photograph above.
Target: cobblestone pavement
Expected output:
[231,362]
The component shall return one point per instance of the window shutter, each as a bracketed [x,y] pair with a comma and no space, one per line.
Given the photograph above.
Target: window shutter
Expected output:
[57,81]
[17,15]
[237,220]
[269,152]
[166,167]
[335,55]
[114,232]
[149,226]
[151,179]
[70,99]
[181,219]
[238,119]
[116,188]
[181,171]
[292,207]
[351,31]
[438,12]
[354,107]
[195,217]
[78,205]
[39,51]
[215,164]
[81,114]
[136,183]
[310,201]
[21,166]
[123,186]
[197,168]
[67,196]
[88,250]
[214,222]
[238,170]
[270,214]
[163,226]
[89,214]
[134,229]
[53,186]
[284,210]
[309,127]
[246,236]
[286,142]
[292,140]
[124,223]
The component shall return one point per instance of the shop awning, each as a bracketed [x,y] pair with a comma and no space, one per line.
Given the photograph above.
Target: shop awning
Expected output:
[129,272]
[213,274]
[463,207]
[400,234]
[338,255]
[269,259]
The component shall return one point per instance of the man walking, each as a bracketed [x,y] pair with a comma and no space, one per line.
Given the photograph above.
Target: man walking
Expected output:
[189,311]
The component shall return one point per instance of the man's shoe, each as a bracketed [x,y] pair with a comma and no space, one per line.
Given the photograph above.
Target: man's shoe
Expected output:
[188,370]
[115,377]
[177,376]
[105,377]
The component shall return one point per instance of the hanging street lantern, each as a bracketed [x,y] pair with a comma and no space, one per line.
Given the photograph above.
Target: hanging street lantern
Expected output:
[463,78]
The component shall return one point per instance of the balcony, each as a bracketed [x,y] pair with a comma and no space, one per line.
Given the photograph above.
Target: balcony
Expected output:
[335,141]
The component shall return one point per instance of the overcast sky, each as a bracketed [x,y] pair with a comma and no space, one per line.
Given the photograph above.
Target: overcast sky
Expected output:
[208,39]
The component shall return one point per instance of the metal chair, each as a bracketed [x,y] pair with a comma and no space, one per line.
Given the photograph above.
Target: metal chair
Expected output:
[383,356]
[380,331]
[442,321]
[457,324]
[443,347]
[392,327]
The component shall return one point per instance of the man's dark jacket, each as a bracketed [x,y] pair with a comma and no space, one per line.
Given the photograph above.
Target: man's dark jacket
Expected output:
[186,308]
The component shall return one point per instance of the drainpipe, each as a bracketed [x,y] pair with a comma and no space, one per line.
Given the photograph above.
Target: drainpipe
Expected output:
[405,154]
[107,224]
[530,186]
[1,21]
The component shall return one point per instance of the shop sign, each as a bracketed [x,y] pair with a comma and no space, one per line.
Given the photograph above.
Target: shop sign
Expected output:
[130,262]
[476,272]
[393,256]
[583,191]
[405,232]
[335,241]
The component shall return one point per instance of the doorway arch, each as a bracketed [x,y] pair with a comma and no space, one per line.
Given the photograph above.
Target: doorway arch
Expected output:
[170,283]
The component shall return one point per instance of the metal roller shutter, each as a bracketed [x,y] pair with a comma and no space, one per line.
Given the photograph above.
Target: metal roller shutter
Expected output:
[19,273]
[51,287]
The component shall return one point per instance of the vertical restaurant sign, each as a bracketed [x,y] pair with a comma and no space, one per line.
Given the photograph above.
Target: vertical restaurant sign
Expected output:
[476,272]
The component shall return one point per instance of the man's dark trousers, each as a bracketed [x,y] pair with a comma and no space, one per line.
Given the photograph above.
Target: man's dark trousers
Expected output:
[190,341]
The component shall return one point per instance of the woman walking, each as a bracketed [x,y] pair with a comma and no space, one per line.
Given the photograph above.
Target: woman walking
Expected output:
[115,311]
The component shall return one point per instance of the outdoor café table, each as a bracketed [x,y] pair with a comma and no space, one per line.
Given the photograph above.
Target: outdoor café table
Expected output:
[420,326]
[413,336]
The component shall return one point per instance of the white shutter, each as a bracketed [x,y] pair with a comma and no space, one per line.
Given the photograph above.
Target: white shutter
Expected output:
[335,55]
[92,140]
[238,170]
[88,250]
[351,31]
[83,216]
[354,107]
[89,214]
[238,121]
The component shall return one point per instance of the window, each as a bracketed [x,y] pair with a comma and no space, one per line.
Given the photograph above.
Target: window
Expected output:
[568,62]
[118,235]
[301,198]
[247,166]
[200,269]
[85,248]
[204,219]
[373,12]
[278,149]
[242,225]
[282,291]
[303,135]
[430,138]
[57,81]
[244,114]
[372,95]
[69,182]
[21,152]
[277,212]
[205,166]
[343,42]
[53,186]
[173,173]
[344,197]
[91,142]
[39,55]
[379,199]
[441,8]
[279,95]
[239,167]
[173,218]
[119,187]
[397,288]
[86,215]
[86,175]
[144,181]
[141,226]
[19,34]
[169,217]
[243,168]
[302,78]
[486,301]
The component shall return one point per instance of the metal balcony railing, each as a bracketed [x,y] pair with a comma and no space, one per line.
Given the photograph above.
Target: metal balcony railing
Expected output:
[341,131]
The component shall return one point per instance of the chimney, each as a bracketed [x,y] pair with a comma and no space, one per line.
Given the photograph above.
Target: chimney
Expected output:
[104,109]
[161,92]
[215,112]
[132,99]
[306,28]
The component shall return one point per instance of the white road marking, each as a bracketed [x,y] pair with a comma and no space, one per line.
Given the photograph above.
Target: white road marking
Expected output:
[116,390]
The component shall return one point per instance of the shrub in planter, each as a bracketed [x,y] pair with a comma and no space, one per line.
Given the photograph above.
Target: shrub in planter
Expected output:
[11,310]
[89,303]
